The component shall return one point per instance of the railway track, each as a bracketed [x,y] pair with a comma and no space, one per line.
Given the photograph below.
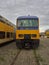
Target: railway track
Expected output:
[15,57]
[35,57]
[10,55]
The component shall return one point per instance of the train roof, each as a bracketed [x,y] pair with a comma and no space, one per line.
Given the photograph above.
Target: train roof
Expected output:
[4,20]
[27,17]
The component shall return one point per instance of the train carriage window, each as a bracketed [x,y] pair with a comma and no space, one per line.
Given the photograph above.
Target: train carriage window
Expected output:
[12,34]
[2,34]
[8,34]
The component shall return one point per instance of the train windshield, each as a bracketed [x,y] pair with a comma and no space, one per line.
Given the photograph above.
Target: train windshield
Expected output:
[33,23]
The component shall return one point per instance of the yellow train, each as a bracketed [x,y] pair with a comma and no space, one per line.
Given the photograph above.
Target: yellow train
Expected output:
[6,30]
[47,33]
[27,32]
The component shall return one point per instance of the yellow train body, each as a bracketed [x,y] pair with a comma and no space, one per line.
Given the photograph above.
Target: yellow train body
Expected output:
[47,34]
[27,32]
[5,27]
[6,30]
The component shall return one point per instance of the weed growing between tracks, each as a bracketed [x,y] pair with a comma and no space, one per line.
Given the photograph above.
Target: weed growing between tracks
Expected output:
[2,59]
[38,58]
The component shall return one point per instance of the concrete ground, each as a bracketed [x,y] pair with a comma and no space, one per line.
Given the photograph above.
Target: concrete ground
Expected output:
[26,57]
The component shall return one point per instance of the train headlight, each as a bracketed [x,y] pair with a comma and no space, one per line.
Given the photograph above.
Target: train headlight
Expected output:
[34,35]
[21,35]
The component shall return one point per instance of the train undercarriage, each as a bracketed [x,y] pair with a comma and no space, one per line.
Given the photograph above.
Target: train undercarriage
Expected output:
[24,43]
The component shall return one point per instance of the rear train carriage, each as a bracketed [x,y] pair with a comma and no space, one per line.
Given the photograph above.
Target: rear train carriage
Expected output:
[47,33]
[27,33]
[6,30]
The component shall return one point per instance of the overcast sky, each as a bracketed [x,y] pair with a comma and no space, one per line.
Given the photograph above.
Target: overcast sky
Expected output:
[11,9]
